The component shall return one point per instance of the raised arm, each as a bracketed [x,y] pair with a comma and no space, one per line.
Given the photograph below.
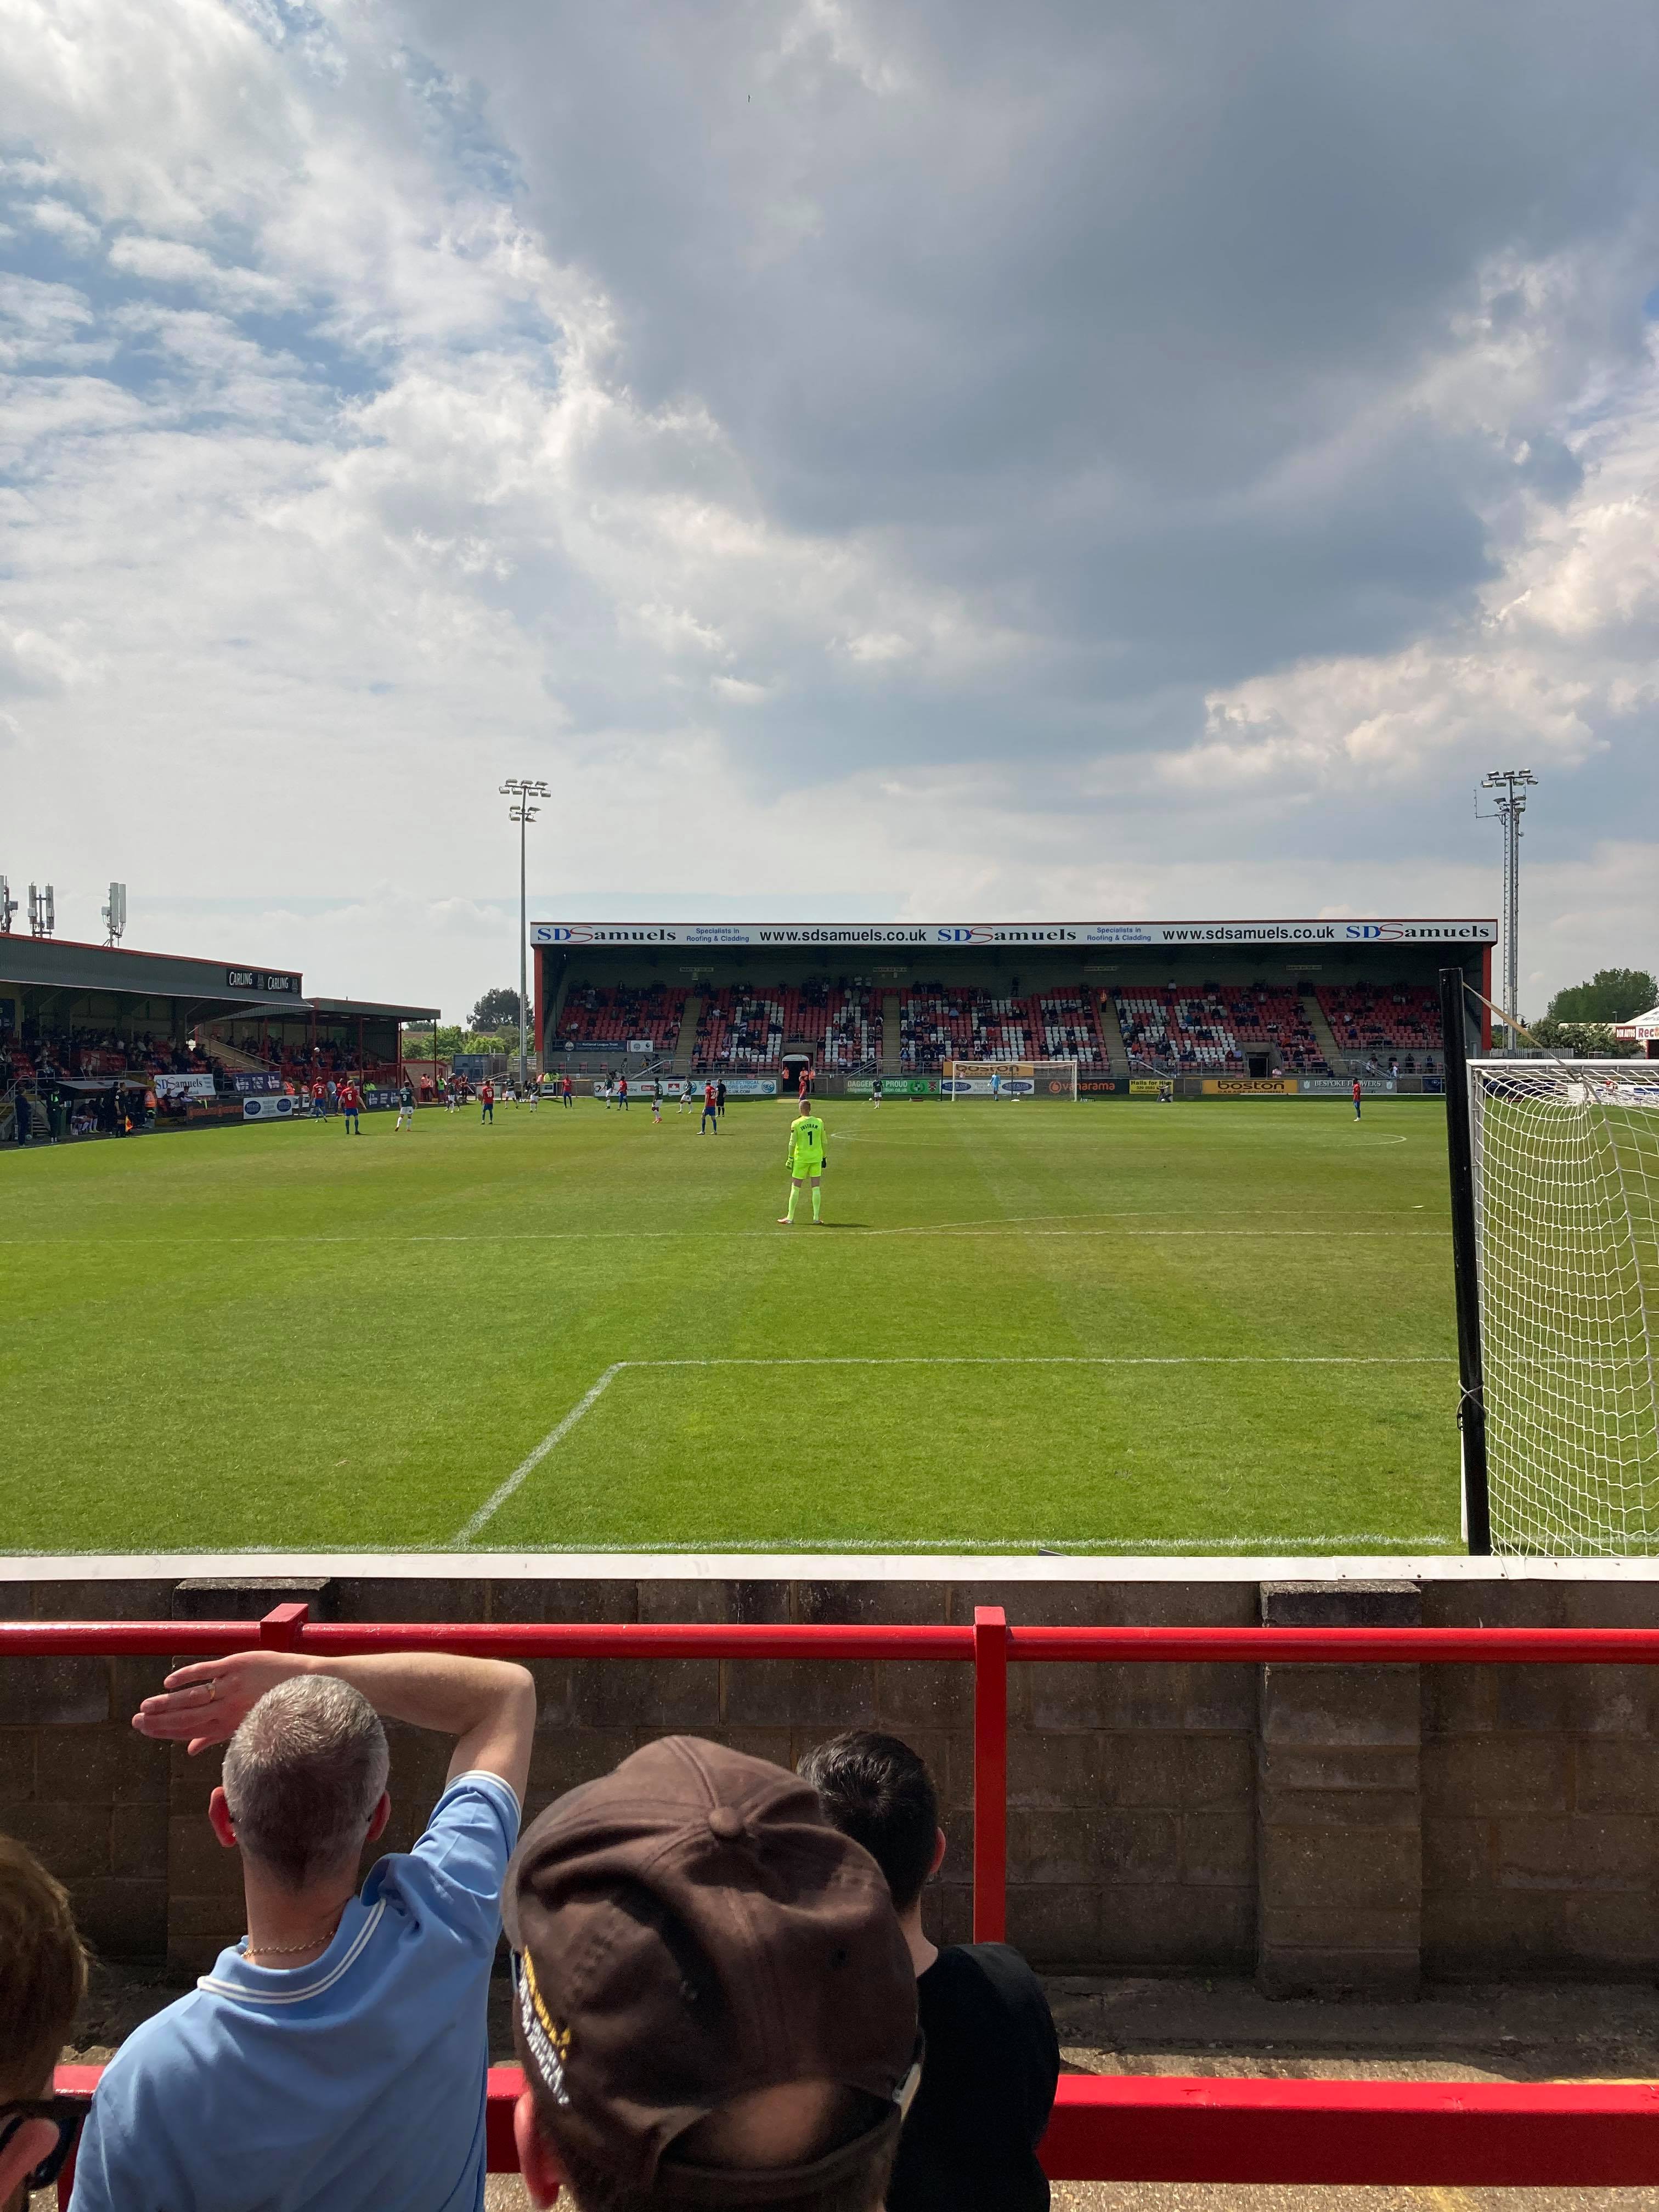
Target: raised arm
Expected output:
[488,1705]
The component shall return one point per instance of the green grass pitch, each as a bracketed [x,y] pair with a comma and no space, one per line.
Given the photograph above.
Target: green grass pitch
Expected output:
[1104,1328]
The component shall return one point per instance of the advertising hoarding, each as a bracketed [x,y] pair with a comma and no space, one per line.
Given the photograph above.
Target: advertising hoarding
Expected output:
[1250,1086]
[925,936]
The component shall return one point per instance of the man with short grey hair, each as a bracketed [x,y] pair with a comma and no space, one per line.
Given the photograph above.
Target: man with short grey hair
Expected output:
[334,2059]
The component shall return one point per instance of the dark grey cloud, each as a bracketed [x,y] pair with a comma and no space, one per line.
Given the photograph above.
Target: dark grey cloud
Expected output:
[1110,317]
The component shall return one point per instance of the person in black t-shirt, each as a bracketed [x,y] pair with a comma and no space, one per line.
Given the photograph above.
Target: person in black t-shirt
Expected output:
[992,2057]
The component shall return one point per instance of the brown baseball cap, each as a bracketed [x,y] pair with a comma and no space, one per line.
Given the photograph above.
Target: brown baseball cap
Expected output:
[690,1928]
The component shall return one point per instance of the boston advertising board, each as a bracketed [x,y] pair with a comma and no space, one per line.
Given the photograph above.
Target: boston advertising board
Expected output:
[919,937]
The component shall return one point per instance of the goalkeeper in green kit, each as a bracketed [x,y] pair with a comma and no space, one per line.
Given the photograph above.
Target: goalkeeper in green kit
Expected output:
[805,1157]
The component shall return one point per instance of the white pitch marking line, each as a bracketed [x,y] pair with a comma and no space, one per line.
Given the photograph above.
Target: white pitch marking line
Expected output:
[532,1460]
[718,1236]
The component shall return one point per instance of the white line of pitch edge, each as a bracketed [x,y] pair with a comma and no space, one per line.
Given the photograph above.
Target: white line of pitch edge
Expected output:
[532,1460]
[1287,1548]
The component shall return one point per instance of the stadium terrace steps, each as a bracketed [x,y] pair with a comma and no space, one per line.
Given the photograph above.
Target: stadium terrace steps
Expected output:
[238,1061]
[1314,1014]
[892,1043]
[687,1042]
[1111,1033]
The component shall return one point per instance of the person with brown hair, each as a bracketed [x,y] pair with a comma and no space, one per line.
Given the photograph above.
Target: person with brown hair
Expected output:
[43,1977]
[713,2002]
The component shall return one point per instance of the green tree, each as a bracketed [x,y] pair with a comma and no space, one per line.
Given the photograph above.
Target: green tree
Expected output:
[1612,994]
[497,1010]
[451,1039]
[1580,1040]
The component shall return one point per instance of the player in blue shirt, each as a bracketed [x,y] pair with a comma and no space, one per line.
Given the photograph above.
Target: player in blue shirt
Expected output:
[334,2059]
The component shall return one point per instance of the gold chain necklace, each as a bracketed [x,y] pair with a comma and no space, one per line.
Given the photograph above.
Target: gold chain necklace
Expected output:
[289,1950]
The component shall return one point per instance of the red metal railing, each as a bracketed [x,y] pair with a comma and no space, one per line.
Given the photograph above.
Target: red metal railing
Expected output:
[1125,2128]
[1133,2127]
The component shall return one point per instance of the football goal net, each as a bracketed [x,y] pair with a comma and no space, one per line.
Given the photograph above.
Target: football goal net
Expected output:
[1565,1161]
[1008,1078]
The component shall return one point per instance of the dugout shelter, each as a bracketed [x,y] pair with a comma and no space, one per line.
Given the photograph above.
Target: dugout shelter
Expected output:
[1278,1007]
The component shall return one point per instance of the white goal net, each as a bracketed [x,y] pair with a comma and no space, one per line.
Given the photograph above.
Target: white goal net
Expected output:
[1009,1079]
[1566,1167]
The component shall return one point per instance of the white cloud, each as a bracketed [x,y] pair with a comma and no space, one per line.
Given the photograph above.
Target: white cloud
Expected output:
[66,224]
[864,458]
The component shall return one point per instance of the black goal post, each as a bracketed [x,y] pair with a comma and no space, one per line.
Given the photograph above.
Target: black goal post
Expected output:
[1460,1153]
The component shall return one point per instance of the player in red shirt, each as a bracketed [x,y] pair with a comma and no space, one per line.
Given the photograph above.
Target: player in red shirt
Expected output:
[1356,1098]
[351,1107]
[486,1101]
[710,1117]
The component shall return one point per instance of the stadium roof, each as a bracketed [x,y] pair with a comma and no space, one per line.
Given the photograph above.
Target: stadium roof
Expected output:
[55,965]
[937,936]
[1639,1028]
[214,987]
[371,1010]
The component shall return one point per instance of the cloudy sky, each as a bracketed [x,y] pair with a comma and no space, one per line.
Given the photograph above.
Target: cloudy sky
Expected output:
[899,460]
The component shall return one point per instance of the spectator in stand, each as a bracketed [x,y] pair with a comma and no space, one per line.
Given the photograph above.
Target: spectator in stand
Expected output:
[715,2004]
[43,1975]
[993,2058]
[334,2059]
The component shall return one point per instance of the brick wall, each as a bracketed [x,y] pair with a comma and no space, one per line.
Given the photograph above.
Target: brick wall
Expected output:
[1330,1828]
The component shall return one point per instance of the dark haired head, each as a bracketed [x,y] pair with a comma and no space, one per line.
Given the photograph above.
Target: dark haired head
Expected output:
[875,1791]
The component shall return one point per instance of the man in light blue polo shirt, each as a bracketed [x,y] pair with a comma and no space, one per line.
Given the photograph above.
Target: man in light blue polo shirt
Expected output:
[334,2059]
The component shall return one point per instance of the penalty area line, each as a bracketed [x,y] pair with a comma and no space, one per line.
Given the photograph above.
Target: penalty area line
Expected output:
[531,1460]
[584,1405]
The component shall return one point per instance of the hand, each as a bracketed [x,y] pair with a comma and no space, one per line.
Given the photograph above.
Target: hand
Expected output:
[207,1702]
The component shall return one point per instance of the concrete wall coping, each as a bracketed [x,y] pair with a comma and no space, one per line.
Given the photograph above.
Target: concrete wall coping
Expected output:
[802,1566]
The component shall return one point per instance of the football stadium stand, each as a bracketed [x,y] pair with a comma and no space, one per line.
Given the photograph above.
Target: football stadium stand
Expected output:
[85,1029]
[1208,1028]
[1246,1000]
[938,1023]
[90,1052]
[1368,1020]
[606,1022]
[1066,1025]
[1182,1027]
[838,1024]
[1266,1020]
